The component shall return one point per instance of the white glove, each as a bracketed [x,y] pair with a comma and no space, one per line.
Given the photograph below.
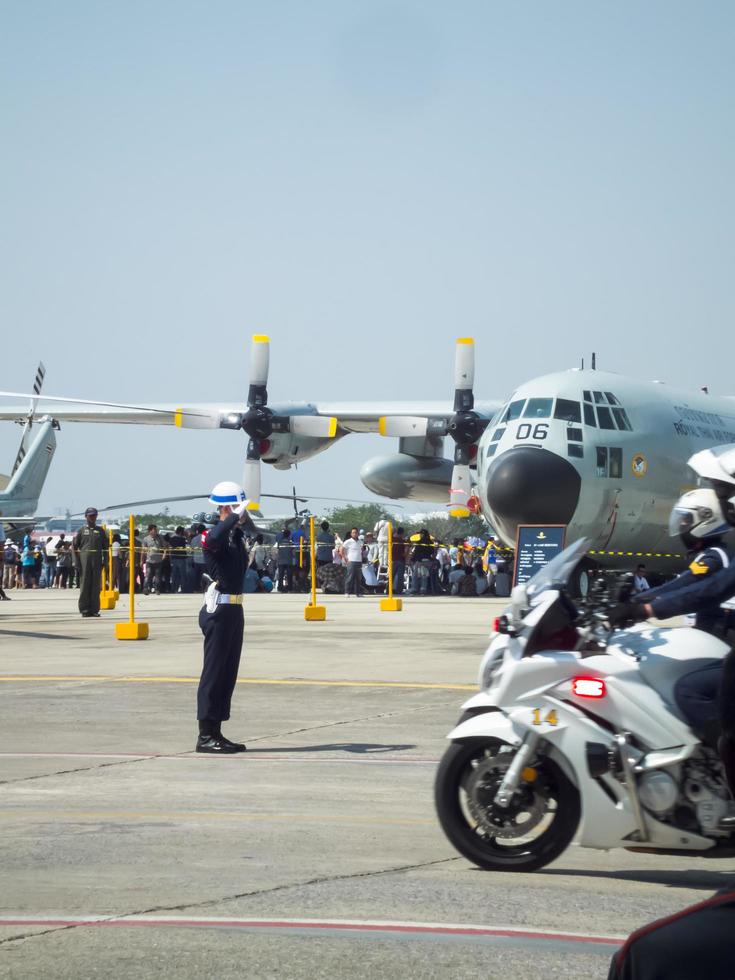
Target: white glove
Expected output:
[241,509]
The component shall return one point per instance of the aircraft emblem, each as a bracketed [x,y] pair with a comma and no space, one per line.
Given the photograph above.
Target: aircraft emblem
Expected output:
[639,465]
[541,536]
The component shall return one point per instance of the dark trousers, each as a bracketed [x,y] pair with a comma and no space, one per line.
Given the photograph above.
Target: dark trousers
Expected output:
[696,696]
[223,632]
[399,574]
[153,575]
[90,582]
[178,574]
[353,582]
[285,578]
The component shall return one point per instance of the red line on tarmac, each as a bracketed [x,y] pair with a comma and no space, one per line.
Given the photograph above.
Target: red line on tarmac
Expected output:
[410,928]
[187,755]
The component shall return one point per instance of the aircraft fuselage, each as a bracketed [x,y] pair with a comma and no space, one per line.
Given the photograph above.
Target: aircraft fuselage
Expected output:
[605,454]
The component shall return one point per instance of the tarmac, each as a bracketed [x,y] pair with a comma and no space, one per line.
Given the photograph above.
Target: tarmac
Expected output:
[317,852]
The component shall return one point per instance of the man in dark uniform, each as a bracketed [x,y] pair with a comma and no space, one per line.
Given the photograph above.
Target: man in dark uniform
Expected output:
[700,522]
[90,549]
[696,942]
[221,618]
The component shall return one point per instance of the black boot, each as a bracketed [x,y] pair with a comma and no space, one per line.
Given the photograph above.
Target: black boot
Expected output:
[211,741]
[236,746]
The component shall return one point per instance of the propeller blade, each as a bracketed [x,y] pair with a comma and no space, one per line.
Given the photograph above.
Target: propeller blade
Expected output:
[185,419]
[459,492]
[401,426]
[464,363]
[251,482]
[464,374]
[259,361]
[319,426]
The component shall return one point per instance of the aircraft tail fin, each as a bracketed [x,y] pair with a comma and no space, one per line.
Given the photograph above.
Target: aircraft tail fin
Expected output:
[25,485]
[27,437]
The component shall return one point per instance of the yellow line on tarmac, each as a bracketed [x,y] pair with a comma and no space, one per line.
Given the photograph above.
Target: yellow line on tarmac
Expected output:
[25,678]
[190,816]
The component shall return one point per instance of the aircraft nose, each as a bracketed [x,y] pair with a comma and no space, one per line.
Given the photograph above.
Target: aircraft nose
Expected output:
[531,486]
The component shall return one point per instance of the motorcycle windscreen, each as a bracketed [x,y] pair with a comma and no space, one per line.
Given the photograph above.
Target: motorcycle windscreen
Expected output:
[557,573]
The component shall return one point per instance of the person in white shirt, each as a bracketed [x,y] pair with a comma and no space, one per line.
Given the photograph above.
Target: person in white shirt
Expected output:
[640,582]
[352,556]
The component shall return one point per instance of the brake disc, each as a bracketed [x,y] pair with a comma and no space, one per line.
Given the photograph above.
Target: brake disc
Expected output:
[525,812]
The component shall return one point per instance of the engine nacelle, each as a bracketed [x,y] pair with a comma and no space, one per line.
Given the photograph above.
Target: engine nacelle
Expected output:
[284,449]
[413,477]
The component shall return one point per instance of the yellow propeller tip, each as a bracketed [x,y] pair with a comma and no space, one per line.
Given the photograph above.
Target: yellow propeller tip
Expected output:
[465,340]
[261,338]
[179,417]
[332,428]
[381,426]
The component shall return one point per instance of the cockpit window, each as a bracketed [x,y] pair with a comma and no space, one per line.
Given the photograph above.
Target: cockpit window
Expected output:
[621,417]
[612,400]
[567,410]
[538,408]
[589,416]
[604,417]
[514,410]
[599,397]
[498,434]
[587,396]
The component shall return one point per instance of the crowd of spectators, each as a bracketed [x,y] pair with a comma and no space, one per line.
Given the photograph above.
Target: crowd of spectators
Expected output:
[173,561]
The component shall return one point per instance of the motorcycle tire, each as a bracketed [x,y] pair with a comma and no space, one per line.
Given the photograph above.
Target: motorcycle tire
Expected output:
[484,851]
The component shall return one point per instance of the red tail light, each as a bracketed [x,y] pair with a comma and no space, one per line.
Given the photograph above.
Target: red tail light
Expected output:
[588,687]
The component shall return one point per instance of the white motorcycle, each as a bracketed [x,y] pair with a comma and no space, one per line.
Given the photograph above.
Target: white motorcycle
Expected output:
[575,730]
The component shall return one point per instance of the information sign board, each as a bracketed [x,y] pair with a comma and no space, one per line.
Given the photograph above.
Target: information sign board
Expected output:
[536,545]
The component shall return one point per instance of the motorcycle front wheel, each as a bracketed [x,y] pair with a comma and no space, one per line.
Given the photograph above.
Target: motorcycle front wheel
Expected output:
[530,833]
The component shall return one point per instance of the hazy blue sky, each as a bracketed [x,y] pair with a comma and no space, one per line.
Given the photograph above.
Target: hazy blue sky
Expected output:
[364,182]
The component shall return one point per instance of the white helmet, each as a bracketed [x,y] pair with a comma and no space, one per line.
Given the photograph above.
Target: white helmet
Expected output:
[718,466]
[697,518]
[227,494]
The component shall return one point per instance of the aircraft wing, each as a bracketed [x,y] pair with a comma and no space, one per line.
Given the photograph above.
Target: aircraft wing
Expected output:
[84,410]
[350,416]
[366,416]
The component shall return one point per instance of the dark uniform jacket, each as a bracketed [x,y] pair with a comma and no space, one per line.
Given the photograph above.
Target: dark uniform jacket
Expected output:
[225,556]
[701,593]
[696,942]
[90,539]
[710,616]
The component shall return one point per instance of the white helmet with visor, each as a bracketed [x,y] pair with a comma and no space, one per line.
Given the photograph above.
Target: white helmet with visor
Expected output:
[717,465]
[697,518]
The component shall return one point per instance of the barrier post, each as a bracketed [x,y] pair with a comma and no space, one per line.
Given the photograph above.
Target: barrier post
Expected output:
[390,604]
[107,597]
[312,612]
[131,630]
[115,592]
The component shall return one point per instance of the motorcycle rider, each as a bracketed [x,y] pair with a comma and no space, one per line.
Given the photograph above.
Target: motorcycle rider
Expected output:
[697,692]
[699,522]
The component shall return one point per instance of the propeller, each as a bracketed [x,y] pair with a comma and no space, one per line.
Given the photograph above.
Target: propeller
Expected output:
[259,422]
[465,426]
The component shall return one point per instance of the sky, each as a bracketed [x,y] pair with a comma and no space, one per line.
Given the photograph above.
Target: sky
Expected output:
[364,182]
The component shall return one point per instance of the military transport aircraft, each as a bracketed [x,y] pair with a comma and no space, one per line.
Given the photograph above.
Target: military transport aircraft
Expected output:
[603,453]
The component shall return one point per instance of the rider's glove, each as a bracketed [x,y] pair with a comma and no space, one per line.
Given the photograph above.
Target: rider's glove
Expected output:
[241,509]
[625,613]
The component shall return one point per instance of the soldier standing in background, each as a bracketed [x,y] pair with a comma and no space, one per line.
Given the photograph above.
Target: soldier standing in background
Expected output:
[90,549]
